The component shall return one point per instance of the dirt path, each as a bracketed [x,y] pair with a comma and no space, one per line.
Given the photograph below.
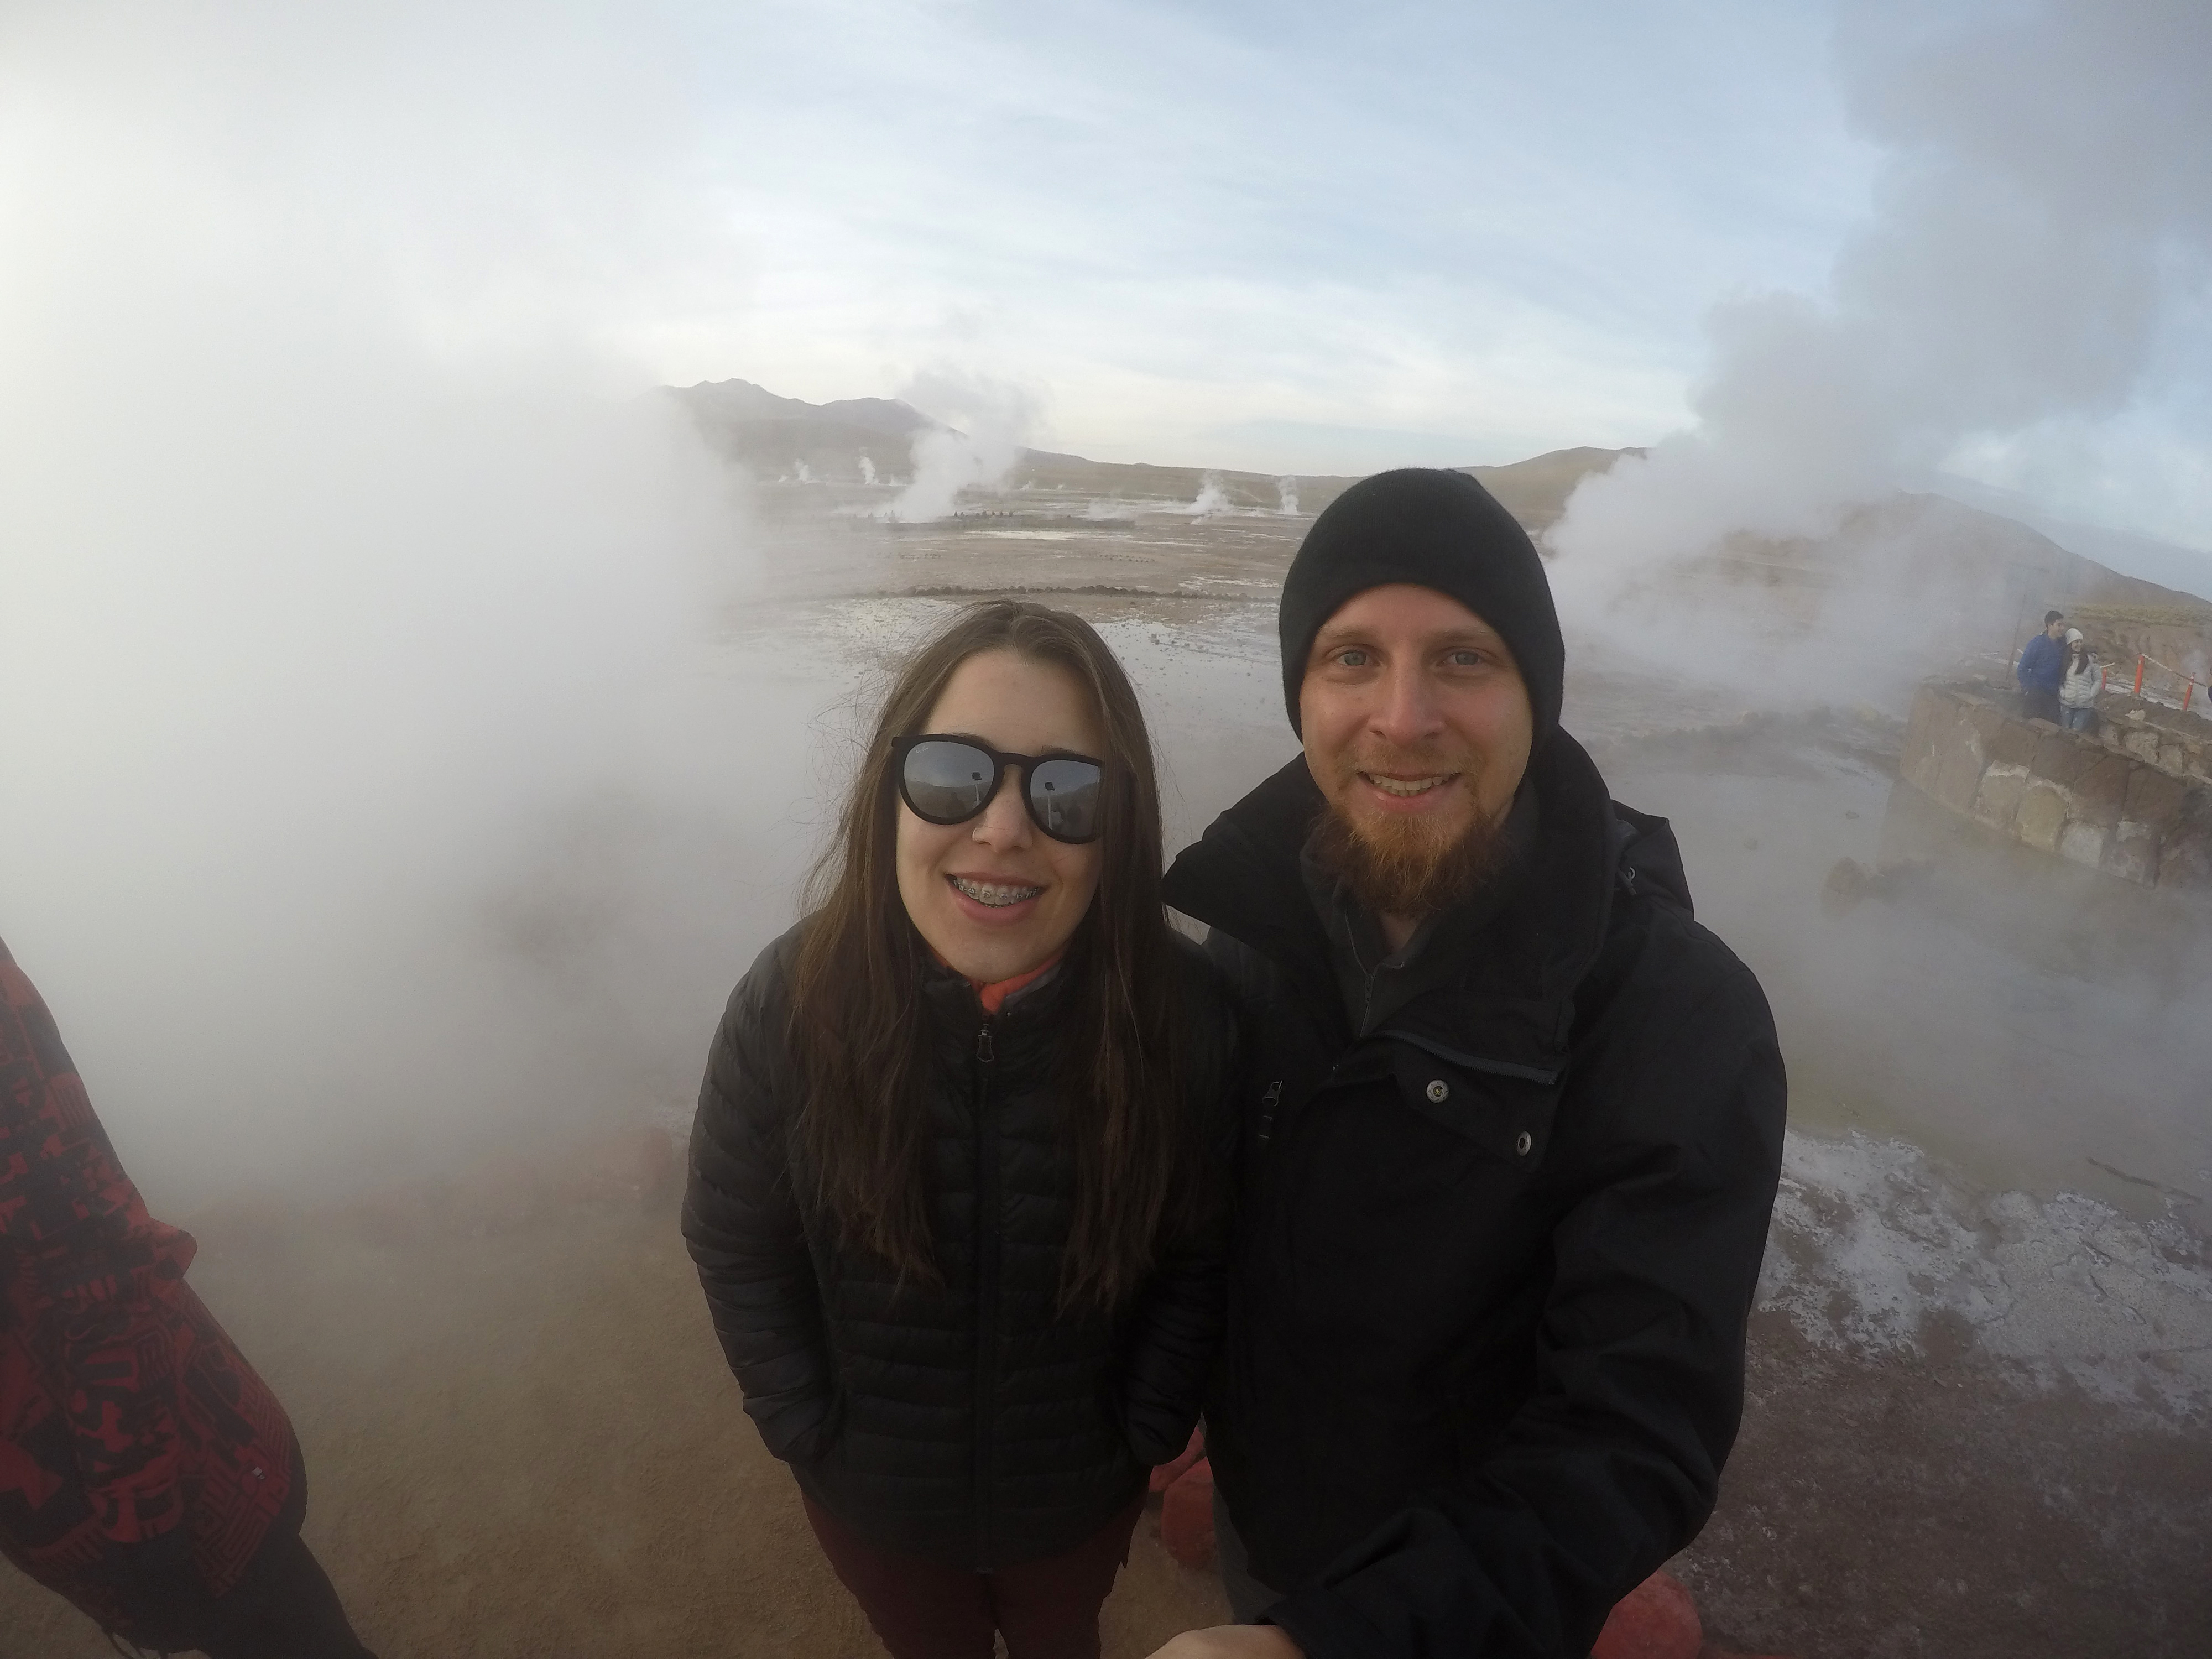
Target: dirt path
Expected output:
[528,1447]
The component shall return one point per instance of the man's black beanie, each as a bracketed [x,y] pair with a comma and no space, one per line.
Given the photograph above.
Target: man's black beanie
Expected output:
[1436,529]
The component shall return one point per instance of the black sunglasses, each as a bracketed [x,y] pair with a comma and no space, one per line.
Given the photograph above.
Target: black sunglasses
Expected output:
[951,779]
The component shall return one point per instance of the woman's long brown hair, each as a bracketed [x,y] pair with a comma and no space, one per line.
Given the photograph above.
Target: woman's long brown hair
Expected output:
[859,1031]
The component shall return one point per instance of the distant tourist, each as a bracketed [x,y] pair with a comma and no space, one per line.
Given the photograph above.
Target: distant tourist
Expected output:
[146,1474]
[2042,667]
[2077,696]
[959,1189]
[1513,1125]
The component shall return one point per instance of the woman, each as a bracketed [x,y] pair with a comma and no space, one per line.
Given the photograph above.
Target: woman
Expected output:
[2077,692]
[959,1188]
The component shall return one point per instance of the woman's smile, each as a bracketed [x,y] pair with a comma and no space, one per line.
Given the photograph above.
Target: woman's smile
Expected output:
[1002,897]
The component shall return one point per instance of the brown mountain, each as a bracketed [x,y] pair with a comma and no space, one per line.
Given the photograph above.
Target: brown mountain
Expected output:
[771,436]
[1535,490]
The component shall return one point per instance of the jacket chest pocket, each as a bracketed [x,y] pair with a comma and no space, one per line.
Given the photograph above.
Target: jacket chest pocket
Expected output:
[1508,1118]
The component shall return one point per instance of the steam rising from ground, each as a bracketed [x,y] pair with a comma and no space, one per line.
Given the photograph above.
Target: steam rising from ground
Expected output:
[1211,499]
[360,784]
[2040,240]
[984,423]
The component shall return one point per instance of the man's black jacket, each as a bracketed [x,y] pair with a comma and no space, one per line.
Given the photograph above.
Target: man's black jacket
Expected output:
[972,1421]
[1494,1261]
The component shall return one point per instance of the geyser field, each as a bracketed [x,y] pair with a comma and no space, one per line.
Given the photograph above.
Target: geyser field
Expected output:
[1982,1370]
[412,724]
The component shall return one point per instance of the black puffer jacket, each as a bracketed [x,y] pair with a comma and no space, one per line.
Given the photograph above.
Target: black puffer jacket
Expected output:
[1495,1259]
[971,1422]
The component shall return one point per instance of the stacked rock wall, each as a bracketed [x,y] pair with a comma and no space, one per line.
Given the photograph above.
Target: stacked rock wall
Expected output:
[2175,740]
[2098,801]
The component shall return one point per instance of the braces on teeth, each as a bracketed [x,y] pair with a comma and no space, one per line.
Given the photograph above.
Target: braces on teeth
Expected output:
[994,893]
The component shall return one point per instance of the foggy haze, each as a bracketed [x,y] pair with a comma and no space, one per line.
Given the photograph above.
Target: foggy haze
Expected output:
[366,783]
[2039,241]
[412,731]
[982,425]
[375,763]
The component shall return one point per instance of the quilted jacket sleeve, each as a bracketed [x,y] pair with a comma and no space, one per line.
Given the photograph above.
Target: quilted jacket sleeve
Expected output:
[742,1220]
[1177,1325]
[97,1280]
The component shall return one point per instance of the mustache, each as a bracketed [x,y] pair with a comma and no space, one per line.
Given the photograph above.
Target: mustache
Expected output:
[1420,759]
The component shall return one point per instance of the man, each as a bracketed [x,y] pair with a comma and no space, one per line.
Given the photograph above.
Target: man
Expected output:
[146,1474]
[1513,1128]
[2042,667]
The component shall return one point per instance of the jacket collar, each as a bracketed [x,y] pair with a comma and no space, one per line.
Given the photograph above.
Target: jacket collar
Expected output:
[1024,1028]
[1506,1002]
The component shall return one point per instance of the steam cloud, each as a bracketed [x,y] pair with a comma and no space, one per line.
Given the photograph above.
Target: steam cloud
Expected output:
[2040,231]
[985,423]
[1212,498]
[362,788]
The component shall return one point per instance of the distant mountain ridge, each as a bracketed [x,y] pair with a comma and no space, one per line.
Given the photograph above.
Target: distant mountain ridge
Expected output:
[773,436]
[1535,490]
[753,428]
[2008,552]
[739,402]
[770,435]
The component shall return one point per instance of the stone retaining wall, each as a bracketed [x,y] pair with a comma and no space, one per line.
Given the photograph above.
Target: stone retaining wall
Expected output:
[2172,740]
[2101,801]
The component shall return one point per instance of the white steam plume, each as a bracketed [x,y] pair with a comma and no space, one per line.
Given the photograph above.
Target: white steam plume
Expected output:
[361,789]
[984,424]
[2040,232]
[1212,498]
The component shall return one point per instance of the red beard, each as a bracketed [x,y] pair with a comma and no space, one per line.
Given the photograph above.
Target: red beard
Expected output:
[1403,867]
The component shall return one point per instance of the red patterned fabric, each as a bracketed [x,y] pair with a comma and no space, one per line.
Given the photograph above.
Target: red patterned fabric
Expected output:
[125,1413]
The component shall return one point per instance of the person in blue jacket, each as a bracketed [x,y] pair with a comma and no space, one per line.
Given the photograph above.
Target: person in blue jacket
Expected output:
[2042,667]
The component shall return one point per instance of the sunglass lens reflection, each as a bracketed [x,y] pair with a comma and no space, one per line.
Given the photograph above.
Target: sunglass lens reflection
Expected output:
[947,782]
[1065,796]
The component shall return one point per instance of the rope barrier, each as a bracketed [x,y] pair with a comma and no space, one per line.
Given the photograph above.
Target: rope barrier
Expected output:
[2188,682]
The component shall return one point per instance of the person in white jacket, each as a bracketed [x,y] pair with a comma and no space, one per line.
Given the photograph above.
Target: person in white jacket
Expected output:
[2077,692]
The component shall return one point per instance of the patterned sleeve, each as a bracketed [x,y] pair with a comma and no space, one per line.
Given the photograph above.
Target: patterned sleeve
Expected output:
[93,1274]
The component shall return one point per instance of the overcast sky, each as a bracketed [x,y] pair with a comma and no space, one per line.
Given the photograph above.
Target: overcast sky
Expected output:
[1275,235]
[1289,236]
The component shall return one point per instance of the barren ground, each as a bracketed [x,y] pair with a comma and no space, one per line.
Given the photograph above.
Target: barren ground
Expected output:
[527,1447]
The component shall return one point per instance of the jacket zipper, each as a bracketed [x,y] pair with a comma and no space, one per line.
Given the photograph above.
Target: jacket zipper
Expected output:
[987,1291]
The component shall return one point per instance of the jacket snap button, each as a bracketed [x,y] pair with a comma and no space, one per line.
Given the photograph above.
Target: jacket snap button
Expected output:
[1523,1142]
[1437,1089]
